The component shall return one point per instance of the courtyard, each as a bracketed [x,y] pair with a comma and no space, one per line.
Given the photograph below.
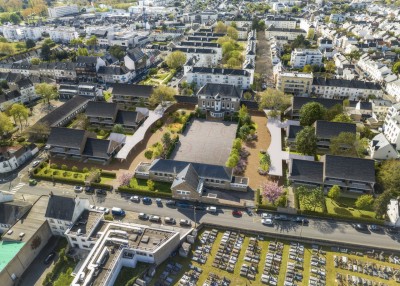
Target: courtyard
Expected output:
[207,142]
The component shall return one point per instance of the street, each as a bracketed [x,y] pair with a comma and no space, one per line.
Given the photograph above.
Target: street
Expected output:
[318,229]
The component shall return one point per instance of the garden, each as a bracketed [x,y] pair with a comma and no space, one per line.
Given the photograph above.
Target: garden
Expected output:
[130,184]
[158,76]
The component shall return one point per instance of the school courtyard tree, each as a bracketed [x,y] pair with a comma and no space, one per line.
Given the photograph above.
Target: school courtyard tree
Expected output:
[5,124]
[274,99]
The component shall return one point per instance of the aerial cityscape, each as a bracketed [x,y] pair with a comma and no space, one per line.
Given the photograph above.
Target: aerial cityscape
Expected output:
[210,143]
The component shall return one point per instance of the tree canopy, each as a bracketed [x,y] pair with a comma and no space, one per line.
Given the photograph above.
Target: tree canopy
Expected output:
[161,94]
[306,141]
[176,60]
[5,124]
[46,91]
[274,99]
[310,112]
[347,144]
[19,112]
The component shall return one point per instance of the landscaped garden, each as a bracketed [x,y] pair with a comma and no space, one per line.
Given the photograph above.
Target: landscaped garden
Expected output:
[129,184]
[158,77]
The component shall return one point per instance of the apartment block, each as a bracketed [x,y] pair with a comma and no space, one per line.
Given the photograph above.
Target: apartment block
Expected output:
[296,83]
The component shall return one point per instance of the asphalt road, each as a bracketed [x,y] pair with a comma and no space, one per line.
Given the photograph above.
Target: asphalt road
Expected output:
[318,229]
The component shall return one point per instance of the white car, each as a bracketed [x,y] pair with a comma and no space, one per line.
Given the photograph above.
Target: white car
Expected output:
[267,221]
[185,222]
[135,199]
[266,215]
[78,189]
[35,163]
[103,209]
[211,209]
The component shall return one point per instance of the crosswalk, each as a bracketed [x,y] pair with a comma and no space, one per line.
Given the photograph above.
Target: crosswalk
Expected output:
[17,187]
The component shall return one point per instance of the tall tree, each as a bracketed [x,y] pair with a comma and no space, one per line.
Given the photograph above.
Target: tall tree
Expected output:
[30,43]
[388,175]
[233,33]
[310,112]
[220,27]
[334,193]
[19,112]
[46,91]
[176,60]
[330,66]
[364,202]
[274,99]
[5,124]
[306,141]
[39,131]
[342,118]
[46,52]
[271,191]
[347,144]
[161,94]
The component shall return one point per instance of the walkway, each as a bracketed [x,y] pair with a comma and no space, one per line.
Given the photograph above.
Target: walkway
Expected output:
[138,136]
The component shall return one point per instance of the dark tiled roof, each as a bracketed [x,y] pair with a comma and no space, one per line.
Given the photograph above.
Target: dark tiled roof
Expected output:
[135,54]
[86,60]
[349,168]
[9,95]
[327,129]
[298,102]
[206,34]
[129,118]
[307,171]
[220,71]
[204,170]
[186,99]
[113,70]
[66,137]
[97,148]
[253,105]
[132,90]
[223,90]
[24,83]
[320,81]
[200,44]
[194,50]
[61,208]
[293,130]
[101,109]
[202,39]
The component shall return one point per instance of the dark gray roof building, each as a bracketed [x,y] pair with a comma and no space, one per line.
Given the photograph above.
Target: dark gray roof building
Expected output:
[61,208]
[222,90]
[327,130]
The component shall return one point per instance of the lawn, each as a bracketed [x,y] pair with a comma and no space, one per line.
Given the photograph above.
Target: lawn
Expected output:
[128,275]
[346,207]
[161,77]
[141,184]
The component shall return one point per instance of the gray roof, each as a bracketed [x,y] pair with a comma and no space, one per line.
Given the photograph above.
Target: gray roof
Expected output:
[98,148]
[220,71]
[348,168]
[135,54]
[223,90]
[307,171]
[194,50]
[187,176]
[61,208]
[129,118]
[327,129]
[136,90]
[298,102]
[203,170]
[320,81]
[101,109]
[293,130]
[66,137]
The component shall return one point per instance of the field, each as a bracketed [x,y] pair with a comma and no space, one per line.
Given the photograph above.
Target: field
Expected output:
[274,261]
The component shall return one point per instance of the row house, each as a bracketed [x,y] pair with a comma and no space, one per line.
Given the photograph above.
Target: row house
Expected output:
[301,57]
[11,158]
[62,34]
[203,45]
[393,89]
[202,75]
[391,126]
[375,70]
[205,57]
[345,89]
[86,67]
[288,34]
[21,91]
[22,33]
[68,91]
[115,74]
[135,59]
[280,22]
[381,149]
[298,102]
[353,175]
[129,95]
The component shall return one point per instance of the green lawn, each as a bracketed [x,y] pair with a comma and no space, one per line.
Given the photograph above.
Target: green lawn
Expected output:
[346,207]
[127,275]
[141,184]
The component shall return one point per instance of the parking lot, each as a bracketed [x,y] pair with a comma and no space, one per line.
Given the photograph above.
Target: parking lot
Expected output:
[206,142]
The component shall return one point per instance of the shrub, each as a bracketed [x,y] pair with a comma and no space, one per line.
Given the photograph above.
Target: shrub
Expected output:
[107,174]
[54,166]
[102,133]
[21,139]
[109,217]
[64,167]
[65,174]
[85,170]
[55,173]
[102,186]
[148,154]
[144,193]
[74,169]
[150,185]
[75,175]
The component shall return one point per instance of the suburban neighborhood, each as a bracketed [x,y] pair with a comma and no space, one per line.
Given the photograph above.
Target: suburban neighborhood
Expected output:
[160,142]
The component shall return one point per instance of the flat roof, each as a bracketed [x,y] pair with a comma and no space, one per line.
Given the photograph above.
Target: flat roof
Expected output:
[86,222]
[8,250]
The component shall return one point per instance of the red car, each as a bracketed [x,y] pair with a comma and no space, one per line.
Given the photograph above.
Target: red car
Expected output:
[236,213]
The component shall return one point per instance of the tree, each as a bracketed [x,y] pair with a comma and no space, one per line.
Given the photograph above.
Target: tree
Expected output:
[117,51]
[265,161]
[330,66]
[347,144]
[125,179]
[233,63]
[247,95]
[396,67]
[118,128]
[19,112]
[39,131]
[92,41]
[271,191]
[300,42]
[233,160]
[5,124]
[274,99]
[7,49]
[342,118]
[161,94]
[354,55]
[364,202]
[307,68]
[176,60]
[334,193]
[150,185]
[35,61]
[233,33]
[82,52]
[220,27]
[310,112]
[244,117]
[46,91]
[388,175]
[46,52]
[15,18]
[311,199]
[332,112]
[306,141]
[166,140]
[381,202]
[77,42]
[30,44]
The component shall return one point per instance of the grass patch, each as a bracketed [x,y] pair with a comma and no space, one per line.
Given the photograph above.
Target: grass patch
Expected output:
[141,184]
[346,207]
[127,276]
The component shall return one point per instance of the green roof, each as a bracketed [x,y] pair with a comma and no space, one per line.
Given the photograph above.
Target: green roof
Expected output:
[8,250]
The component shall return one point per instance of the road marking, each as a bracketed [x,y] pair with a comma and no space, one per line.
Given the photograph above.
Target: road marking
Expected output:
[17,187]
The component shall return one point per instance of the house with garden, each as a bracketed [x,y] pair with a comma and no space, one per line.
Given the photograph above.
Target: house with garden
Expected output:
[128,95]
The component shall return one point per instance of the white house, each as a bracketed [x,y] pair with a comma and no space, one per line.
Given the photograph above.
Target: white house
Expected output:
[381,149]
[280,22]
[393,89]
[301,57]
[63,34]
[60,11]
[288,34]
[391,126]
[376,70]
[393,212]
[13,157]
[205,56]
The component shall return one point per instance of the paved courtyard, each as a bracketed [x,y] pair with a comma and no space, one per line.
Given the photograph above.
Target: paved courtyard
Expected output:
[206,142]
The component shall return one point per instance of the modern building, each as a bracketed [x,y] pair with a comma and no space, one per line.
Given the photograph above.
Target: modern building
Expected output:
[301,57]
[61,11]
[326,130]
[298,102]
[297,83]
[128,95]
[219,99]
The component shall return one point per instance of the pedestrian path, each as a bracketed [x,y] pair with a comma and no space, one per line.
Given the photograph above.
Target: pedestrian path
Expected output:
[17,187]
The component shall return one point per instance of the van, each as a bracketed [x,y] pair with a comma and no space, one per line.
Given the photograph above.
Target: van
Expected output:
[117,211]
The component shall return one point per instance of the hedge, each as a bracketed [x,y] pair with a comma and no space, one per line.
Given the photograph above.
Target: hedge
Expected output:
[102,186]
[172,147]
[124,189]
[107,174]
[342,217]
[59,180]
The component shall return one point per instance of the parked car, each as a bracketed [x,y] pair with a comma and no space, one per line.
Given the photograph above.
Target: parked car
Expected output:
[169,220]
[392,230]
[267,221]
[89,190]
[100,192]
[266,215]
[211,209]
[103,209]
[301,220]
[35,163]
[143,216]
[249,212]
[281,217]
[200,208]
[49,257]
[78,189]
[236,213]
[135,199]
[170,203]
[117,211]
[375,228]
[32,182]
[185,222]
[159,201]
[155,218]
[183,205]
[146,200]
[361,227]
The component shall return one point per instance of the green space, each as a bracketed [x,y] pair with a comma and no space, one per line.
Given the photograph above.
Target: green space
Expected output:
[141,184]
[127,276]
[163,76]
[346,207]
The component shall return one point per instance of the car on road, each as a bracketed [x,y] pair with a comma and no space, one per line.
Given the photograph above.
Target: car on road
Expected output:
[143,216]
[267,221]
[117,211]
[183,205]
[135,199]
[78,189]
[301,220]
[249,212]
[101,192]
[32,182]
[211,209]
[267,215]
[49,257]
[170,203]
[35,163]
[89,190]
[392,230]
[375,228]
[236,213]
[155,218]
[281,217]
[159,202]
[361,227]
[200,208]
[185,222]
[169,220]
[146,201]
[103,209]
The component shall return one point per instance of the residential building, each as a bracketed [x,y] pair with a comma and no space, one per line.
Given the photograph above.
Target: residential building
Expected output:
[381,149]
[21,91]
[391,128]
[115,74]
[63,34]
[91,91]
[11,158]
[393,212]
[63,212]
[81,145]
[205,57]
[219,100]
[296,83]
[61,11]
[86,67]
[337,18]
[204,45]
[105,115]
[301,57]
[353,175]
[298,102]
[288,34]
[128,95]
[345,89]
[280,22]
[393,89]
[326,130]
[375,70]
[203,75]
[135,59]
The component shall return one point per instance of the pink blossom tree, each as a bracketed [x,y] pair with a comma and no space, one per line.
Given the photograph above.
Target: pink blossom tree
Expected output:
[125,179]
[271,191]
